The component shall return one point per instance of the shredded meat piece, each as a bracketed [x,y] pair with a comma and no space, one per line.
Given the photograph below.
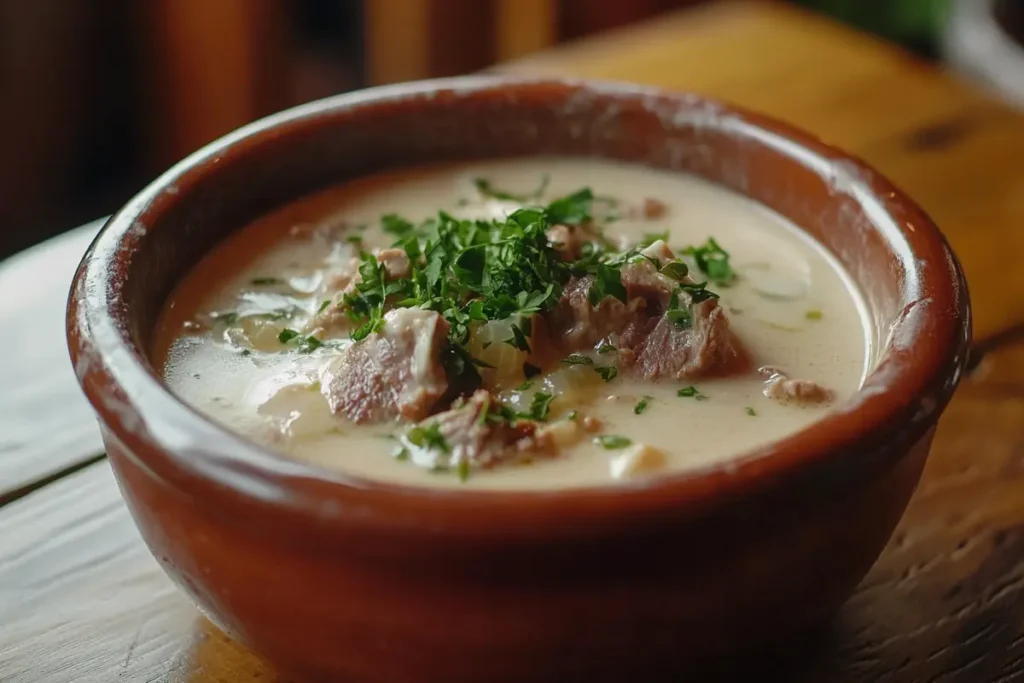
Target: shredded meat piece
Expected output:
[780,387]
[648,342]
[396,372]
[470,437]
[707,347]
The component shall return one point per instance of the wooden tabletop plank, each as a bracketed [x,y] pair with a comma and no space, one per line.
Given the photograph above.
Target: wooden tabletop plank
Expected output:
[46,426]
[82,600]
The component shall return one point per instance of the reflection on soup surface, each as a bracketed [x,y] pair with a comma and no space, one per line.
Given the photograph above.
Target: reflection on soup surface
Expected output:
[531,323]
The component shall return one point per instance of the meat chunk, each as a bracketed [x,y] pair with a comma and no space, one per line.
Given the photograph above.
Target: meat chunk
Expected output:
[780,387]
[707,347]
[648,342]
[463,434]
[396,372]
[576,324]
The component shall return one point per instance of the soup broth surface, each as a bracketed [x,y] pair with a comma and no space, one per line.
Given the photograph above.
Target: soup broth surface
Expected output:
[239,339]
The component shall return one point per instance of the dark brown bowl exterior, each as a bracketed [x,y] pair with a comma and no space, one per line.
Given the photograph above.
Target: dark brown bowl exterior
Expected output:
[345,579]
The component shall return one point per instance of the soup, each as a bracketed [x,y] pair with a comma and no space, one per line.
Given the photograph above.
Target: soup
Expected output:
[525,324]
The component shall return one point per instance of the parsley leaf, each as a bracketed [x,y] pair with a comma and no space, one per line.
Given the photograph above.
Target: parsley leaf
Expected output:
[607,372]
[713,261]
[265,281]
[691,392]
[574,209]
[578,359]
[612,441]
[540,406]
[642,405]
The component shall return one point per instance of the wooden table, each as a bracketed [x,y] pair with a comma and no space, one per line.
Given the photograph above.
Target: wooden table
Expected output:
[81,600]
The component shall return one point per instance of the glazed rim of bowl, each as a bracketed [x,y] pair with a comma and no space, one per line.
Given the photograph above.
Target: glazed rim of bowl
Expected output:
[912,380]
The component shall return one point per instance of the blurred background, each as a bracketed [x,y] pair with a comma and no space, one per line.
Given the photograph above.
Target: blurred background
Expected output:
[98,96]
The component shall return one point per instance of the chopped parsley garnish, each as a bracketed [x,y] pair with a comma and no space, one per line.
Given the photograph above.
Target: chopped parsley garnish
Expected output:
[607,372]
[751,412]
[578,359]
[814,314]
[265,281]
[303,343]
[612,441]
[680,316]
[713,261]
[401,453]
[606,349]
[691,392]
[354,239]
[573,415]
[323,306]
[463,469]
[540,406]
[428,437]
[642,404]
[676,270]
[524,386]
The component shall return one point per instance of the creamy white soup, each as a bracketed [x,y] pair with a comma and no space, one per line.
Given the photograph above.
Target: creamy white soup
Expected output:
[525,324]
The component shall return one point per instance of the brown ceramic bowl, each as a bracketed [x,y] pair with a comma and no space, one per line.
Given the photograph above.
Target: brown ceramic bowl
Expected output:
[325,575]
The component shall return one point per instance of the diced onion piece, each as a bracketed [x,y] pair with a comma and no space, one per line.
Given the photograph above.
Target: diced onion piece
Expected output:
[299,410]
[572,386]
[487,342]
[563,433]
[636,460]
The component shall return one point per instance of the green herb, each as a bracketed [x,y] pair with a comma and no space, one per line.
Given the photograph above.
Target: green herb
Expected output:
[681,317]
[573,414]
[540,406]
[394,224]
[676,270]
[713,261]
[571,210]
[751,412]
[578,359]
[323,306]
[691,392]
[607,372]
[265,281]
[642,404]
[303,343]
[244,353]
[814,314]
[354,239]
[612,441]
[606,349]
[463,469]
[428,437]
[524,386]
[401,453]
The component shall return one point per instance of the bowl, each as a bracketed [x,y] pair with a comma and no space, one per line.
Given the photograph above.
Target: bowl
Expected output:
[331,577]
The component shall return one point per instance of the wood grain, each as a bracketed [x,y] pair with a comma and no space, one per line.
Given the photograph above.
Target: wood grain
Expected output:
[45,424]
[82,600]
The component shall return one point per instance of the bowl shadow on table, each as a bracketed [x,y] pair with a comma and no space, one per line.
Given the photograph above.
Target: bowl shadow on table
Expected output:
[214,657]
